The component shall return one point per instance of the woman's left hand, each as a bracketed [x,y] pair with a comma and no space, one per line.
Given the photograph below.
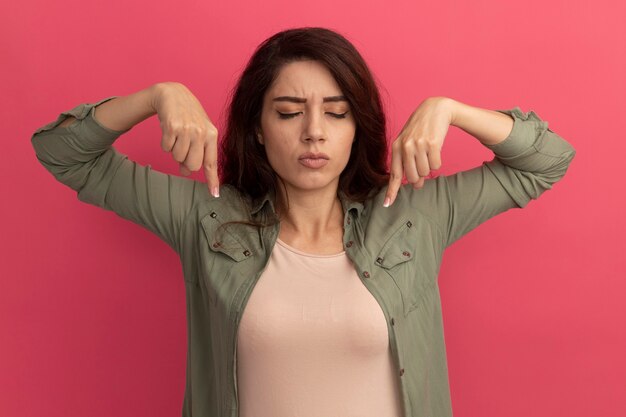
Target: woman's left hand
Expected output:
[417,150]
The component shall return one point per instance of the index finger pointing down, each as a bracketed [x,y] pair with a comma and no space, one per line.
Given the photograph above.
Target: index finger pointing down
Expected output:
[210,170]
[395,179]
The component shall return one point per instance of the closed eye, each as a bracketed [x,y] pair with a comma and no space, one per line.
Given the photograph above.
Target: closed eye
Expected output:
[290,115]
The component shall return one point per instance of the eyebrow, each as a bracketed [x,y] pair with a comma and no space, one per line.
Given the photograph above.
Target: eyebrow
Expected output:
[303,100]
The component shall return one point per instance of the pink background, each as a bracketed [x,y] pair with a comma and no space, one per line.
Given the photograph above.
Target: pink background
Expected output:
[92,308]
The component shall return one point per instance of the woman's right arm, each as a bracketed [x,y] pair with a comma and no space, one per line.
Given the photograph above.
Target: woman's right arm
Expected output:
[124,112]
[77,149]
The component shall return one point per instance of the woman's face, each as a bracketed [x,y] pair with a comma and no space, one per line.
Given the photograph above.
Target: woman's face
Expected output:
[311,148]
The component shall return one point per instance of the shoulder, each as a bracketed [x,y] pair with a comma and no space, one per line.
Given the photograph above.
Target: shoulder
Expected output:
[412,222]
[231,204]
[427,200]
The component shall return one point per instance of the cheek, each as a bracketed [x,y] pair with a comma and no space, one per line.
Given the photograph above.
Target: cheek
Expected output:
[346,148]
[346,157]
[278,152]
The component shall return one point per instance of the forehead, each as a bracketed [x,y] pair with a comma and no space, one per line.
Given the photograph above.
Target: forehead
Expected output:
[304,79]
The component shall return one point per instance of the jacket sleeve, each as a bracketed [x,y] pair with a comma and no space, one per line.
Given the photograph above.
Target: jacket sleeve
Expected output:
[526,163]
[82,157]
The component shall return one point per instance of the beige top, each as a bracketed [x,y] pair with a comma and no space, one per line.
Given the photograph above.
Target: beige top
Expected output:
[313,342]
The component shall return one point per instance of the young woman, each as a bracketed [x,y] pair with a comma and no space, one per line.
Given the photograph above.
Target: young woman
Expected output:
[310,270]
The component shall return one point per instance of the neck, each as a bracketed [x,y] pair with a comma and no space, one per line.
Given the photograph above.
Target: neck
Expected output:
[310,215]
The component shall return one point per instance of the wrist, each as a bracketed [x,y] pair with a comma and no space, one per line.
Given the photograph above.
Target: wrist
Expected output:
[447,106]
[453,107]
[157,91]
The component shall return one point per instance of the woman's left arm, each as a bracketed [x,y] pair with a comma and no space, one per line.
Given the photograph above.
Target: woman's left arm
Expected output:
[529,159]
[417,150]
[490,127]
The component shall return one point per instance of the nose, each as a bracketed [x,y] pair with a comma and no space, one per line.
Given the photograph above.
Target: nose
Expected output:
[314,128]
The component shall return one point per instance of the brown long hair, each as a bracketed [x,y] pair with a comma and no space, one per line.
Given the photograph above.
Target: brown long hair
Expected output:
[242,160]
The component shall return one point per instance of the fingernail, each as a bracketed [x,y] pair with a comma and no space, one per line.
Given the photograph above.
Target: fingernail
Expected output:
[215,192]
[387,201]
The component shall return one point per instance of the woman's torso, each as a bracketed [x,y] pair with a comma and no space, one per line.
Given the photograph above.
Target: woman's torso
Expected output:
[313,342]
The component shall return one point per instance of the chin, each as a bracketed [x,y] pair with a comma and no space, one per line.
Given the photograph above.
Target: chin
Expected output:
[312,184]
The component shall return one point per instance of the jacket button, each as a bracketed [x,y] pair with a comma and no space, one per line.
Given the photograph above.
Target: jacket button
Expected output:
[401,371]
[379,260]
[348,221]
[216,244]
[349,244]
[409,224]
[405,253]
[393,322]
[213,214]
[366,274]
[246,252]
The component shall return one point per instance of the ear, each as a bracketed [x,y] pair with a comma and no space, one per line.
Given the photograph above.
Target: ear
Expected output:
[259,138]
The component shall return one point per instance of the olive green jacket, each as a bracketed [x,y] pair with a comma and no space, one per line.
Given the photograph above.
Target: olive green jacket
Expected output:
[396,251]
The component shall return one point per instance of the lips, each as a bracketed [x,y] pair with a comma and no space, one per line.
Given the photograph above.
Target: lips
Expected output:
[313,160]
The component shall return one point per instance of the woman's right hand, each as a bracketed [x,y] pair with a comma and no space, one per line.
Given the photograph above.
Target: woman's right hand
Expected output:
[188,133]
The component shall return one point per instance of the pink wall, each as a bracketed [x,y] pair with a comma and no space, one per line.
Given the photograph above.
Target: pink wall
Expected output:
[92,308]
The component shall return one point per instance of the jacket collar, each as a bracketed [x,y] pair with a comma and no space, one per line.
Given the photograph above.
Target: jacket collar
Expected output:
[350,205]
[260,202]
[269,198]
